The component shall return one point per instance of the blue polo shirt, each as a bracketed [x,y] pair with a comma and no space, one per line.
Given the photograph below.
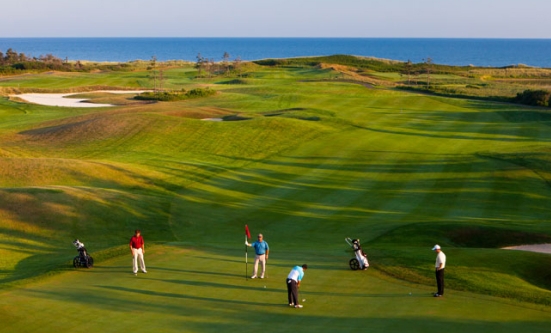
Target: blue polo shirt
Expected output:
[260,248]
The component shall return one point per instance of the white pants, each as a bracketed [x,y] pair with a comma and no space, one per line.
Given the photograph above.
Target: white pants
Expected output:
[137,255]
[361,259]
[262,259]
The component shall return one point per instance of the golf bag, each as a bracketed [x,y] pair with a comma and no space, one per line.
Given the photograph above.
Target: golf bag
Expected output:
[83,259]
[360,262]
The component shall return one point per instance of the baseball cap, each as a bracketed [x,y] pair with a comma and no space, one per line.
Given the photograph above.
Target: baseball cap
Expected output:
[436,247]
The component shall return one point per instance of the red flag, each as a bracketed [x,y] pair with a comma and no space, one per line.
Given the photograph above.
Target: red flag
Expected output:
[247,231]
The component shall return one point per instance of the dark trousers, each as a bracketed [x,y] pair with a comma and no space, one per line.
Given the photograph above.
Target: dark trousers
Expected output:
[440,281]
[292,291]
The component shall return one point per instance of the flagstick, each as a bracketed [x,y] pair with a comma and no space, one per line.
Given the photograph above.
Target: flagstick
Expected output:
[246,260]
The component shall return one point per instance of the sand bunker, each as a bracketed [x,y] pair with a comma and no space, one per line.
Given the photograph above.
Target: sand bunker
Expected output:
[212,119]
[60,100]
[541,248]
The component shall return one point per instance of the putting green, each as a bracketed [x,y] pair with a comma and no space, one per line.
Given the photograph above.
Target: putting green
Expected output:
[204,290]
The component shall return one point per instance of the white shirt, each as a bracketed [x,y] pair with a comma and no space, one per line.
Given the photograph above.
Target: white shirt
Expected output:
[440,259]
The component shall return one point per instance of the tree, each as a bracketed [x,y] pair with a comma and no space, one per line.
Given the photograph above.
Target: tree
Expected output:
[534,97]
[226,62]
[199,63]
[153,63]
[211,67]
[237,65]
[428,67]
[408,67]
[11,57]
[161,79]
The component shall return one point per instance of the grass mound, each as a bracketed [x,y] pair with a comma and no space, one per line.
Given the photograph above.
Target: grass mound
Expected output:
[468,247]
[234,81]
[465,235]
[139,134]
[309,114]
[199,112]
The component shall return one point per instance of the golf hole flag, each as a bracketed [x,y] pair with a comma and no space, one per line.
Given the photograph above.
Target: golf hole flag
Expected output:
[247,232]
[247,236]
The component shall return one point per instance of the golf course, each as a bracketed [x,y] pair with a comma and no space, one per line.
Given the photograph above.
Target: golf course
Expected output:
[306,154]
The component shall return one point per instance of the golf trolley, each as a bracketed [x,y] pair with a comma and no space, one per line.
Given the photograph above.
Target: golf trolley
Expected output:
[83,259]
[360,262]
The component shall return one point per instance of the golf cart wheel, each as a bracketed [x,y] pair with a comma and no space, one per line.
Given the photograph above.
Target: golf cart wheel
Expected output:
[76,262]
[354,264]
[88,262]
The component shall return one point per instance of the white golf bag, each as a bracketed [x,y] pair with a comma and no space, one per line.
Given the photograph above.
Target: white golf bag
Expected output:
[360,262]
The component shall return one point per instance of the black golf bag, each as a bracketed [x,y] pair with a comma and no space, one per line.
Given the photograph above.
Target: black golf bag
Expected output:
[83,259]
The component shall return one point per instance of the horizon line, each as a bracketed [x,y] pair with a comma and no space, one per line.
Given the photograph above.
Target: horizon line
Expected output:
[276,37]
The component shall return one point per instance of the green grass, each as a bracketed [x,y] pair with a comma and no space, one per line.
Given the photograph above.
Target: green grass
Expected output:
[204,290]
[317,162]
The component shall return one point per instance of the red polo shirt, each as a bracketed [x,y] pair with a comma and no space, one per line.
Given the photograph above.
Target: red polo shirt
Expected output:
[136,242]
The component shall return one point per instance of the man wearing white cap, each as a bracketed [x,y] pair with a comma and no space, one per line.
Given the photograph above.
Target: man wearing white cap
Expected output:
[440,265]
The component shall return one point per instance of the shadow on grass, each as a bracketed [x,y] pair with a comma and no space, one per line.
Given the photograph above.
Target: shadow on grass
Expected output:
[106,269]
[215,285]
[156,268]
[186,297]
[218,315]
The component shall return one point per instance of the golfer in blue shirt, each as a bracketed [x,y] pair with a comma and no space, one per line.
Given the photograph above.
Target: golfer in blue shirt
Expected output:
[262,250]
[293,283]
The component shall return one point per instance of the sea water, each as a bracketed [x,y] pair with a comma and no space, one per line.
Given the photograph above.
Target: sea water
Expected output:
[451,51]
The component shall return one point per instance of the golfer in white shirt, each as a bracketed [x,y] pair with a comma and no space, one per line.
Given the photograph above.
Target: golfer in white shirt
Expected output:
[439,266]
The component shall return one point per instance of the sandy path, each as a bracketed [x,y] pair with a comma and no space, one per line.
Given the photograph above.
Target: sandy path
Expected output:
[60,100]
[541,248]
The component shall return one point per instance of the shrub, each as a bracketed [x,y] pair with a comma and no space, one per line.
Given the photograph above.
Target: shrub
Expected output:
[171,96]
[234,81]
[534,97]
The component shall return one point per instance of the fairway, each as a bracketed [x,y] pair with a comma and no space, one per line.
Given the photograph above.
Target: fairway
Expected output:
[316,161]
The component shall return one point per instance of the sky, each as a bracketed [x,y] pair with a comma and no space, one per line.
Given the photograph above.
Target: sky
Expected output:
[281,18]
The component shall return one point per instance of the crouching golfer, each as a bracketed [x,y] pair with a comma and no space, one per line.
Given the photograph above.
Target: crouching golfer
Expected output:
[137,247]
[293,283]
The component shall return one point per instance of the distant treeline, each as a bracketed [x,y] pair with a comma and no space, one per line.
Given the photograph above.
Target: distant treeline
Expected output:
[13,62]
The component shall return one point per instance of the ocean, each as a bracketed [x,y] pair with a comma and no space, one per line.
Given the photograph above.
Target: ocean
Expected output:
[463,52]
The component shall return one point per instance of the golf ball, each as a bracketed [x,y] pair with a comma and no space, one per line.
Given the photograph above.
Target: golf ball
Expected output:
[264,286]
[409,294]
[304,299]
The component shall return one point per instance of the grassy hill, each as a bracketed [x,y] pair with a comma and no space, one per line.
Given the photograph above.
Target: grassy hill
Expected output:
[317,161]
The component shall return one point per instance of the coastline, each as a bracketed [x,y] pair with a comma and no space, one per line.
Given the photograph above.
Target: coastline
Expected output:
[479,52]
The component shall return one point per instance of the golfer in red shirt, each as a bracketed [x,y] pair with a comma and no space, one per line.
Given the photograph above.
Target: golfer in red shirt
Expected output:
[137,247]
